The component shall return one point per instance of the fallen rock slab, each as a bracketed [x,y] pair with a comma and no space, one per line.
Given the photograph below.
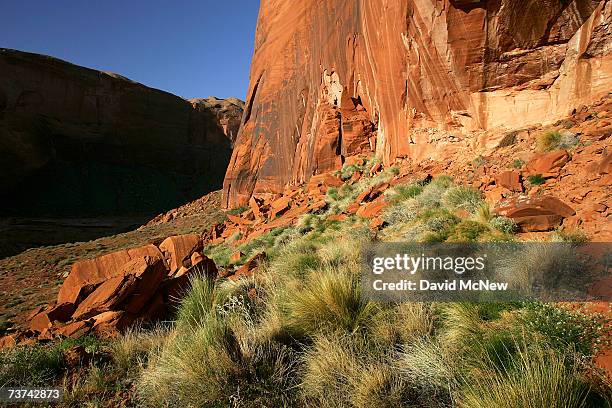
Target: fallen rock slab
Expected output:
[533,214]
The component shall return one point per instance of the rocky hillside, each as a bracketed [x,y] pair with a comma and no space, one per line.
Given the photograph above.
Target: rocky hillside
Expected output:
[78,142]
[331,79]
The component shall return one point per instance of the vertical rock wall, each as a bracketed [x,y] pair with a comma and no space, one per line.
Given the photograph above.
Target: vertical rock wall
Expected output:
[331,78]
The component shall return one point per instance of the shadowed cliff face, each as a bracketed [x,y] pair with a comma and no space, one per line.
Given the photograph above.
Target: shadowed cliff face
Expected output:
[85,154]
[77,142]
[335,77]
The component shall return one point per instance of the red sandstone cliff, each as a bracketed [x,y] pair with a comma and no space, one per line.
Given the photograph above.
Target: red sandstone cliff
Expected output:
[331,78]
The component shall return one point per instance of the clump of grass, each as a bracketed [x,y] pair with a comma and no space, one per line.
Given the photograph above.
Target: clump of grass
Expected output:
[237,211]
[465,198]
[553,140]
[197,303]
[220,253]
[347,171]
[401,212]
[405,192]
[553,266]
[131,350]
[478,161]
[432,193]
[548,141]
[503,224]
[430,367]
[569,235]
[536,179]
[467,231]
[216,356]
[330,300]
[536,377]
[347,371]
[403,324]
[35,365]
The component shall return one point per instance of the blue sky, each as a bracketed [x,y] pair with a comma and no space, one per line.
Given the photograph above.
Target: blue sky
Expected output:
[192,48]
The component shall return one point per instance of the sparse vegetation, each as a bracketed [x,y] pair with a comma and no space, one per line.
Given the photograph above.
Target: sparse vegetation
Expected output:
[536,179]
[299,333]
[553,140]
[237,210]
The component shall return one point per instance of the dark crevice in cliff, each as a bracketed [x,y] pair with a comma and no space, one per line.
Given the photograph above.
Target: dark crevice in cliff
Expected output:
[249,106]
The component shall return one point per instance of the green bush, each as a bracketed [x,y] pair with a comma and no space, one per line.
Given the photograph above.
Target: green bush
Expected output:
[467,231]
[586,333]
[504,224]
[405,192]
[330,300]
[465,198]
[237,211]
[536,180]
[35,365]
[536,377]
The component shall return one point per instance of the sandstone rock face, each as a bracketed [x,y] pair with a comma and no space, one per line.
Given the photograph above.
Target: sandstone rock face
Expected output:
[107,294]
[86,142]
[330,79]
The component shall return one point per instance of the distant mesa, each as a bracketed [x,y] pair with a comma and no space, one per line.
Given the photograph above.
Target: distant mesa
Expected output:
[79,142]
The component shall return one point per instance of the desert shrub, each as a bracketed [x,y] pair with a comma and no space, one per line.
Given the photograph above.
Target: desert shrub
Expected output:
[346,371]
[536,377]
[562,328]
[402,193]
[570,235]
[330,300]
[237,211]
[518,164]
[465,198]
[131,350]
[33,365]
[552,140]
[197,304]
[536,179]
[548,141]
[503,224]
[402,212]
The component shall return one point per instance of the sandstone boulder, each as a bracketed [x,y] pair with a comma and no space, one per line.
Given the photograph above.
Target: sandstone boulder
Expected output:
[548,164]
[177,250]
[535,213]
[249,266]
[86,275]
[509,179]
